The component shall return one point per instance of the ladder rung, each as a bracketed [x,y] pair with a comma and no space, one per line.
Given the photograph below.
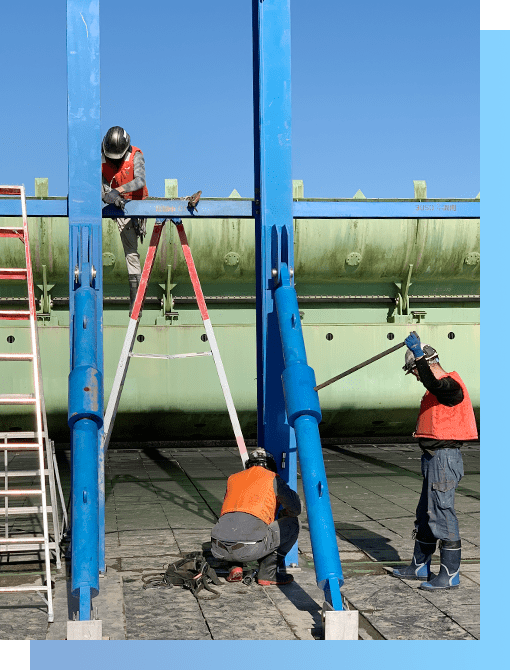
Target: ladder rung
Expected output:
[14,589]
[203,353]
[9,231]
[13,273]
[20,492]
[25,434]
[14,315]
[16,357]
[17,399]
[23,473]
[37,509]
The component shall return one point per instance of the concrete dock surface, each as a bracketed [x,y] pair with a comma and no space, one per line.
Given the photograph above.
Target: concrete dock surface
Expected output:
[162,500]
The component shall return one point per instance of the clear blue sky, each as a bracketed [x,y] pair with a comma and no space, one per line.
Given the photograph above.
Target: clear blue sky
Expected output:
[383,93]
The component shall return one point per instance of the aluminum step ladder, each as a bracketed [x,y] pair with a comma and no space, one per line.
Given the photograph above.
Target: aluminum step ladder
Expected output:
[30,452]
[127,349]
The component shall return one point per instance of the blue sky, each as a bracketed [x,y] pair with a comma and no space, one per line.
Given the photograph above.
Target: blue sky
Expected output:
[383,93]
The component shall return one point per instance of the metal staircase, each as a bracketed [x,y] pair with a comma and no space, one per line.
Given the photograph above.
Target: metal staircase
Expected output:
[30,475]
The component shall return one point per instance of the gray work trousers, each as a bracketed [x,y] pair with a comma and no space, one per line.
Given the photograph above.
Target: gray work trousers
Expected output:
[281,535]
[435,515]
[129,241]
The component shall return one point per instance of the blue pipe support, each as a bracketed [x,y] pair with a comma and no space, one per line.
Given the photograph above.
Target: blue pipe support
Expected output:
[84,523]
[304,415]
[85,298]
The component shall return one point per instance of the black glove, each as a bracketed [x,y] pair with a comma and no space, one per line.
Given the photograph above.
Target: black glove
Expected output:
[113,197]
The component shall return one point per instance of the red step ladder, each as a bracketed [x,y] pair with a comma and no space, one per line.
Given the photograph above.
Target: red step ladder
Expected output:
[127,349]
[33,483]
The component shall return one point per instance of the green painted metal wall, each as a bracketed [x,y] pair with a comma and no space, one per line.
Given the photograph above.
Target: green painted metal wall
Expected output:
[368,260]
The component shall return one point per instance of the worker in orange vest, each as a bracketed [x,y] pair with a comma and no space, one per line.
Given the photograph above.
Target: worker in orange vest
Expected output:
[123,172]
[248,529]
[445,422]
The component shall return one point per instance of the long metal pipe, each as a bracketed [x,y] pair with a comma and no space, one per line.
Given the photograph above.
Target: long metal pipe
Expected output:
[304,415]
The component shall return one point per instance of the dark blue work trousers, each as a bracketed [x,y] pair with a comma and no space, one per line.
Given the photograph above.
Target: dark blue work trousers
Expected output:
[435,514]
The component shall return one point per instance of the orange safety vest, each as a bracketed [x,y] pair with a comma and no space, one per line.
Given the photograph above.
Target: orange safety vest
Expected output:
[117,176]
[252,491]
[440,422]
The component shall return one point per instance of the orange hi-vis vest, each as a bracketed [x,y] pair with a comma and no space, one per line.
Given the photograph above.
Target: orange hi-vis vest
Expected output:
[252,491]
[117,176]
[439,422]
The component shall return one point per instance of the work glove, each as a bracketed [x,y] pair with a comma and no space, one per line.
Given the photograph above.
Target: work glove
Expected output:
[113,197]
[414,344]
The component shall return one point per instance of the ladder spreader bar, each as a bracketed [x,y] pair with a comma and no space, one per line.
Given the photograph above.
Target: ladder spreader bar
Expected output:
[203,353]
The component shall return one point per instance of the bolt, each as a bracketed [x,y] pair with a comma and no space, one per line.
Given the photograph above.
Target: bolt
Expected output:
[274,273]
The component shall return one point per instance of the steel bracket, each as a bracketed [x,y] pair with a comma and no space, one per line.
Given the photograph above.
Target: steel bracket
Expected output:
[45,288]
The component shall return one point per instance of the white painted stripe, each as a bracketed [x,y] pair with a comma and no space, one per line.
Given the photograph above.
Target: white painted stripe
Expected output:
[226,390]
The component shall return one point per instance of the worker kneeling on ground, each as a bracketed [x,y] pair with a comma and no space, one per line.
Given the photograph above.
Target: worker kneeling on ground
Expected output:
[446,420]
[248,529]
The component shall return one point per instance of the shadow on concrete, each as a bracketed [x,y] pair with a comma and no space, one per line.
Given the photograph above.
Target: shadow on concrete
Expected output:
[370,543]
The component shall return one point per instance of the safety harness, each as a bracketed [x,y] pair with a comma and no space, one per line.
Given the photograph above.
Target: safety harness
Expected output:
[191,572]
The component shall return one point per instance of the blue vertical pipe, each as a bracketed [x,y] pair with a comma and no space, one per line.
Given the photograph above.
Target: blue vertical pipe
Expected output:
[85,409]
[273,222]
[304,413]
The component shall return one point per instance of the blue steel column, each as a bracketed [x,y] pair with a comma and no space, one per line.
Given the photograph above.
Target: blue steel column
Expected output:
[304,413]
[85,294]
[273,222]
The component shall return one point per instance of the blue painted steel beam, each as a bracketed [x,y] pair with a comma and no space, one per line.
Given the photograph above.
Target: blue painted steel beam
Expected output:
[85,408]
[244,209]
[273,223]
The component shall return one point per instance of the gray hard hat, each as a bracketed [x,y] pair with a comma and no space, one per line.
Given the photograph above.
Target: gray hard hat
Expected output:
[410,362]
[116,142]
[262,458]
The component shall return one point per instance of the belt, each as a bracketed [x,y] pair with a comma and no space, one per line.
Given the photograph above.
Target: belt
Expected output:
[229,546]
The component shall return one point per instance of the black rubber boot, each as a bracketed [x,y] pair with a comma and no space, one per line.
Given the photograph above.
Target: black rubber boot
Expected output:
[420,565]
[134,282]
[268,571]
[448,577]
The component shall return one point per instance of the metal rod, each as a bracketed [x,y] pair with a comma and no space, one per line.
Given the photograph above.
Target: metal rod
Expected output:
[358,367]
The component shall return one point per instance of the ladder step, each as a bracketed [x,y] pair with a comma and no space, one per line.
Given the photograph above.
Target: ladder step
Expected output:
[23,473]
[9,231]
[14,315]
[21,434]
[9,190]
[25,510]
[19,447]
[16,357]
[13,273]
[203,353]
[12,548]
[20,492]
[22,540]
[17,399]
[14,589]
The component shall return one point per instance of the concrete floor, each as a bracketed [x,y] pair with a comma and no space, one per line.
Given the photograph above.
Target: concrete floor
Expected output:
[162,501]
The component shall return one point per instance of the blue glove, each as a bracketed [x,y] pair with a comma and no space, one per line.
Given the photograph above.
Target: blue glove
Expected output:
[414,344]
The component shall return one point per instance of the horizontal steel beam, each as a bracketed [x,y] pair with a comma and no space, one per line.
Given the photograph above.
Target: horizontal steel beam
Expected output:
[245,209]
